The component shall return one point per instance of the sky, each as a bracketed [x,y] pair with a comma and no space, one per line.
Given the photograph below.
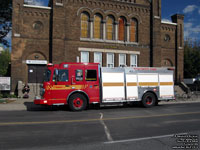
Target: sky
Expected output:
[189,8]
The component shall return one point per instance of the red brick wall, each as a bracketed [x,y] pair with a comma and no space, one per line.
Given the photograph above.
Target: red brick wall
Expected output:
[30,39]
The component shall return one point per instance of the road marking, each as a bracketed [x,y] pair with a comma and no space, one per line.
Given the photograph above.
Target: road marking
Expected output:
[181,121]
[144,138]
[91,120]
[110,139]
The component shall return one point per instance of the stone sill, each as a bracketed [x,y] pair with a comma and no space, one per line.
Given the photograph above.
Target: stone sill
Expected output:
[108,41]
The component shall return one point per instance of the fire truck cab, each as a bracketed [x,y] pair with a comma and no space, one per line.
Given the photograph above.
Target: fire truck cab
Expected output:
[81,84]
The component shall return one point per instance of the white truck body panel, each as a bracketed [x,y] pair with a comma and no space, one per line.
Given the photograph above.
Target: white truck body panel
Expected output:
[150,80]
[113,86]
[166,86]
[130,84]
[132,87]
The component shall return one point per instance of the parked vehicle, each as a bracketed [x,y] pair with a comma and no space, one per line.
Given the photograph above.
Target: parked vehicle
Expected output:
[189,80]
[193,83]
[195,80]
[81,84]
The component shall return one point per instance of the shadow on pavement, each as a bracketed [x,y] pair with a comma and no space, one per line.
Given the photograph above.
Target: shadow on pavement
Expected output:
[30,106]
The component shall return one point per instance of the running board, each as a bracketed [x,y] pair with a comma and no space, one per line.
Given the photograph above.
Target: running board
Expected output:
[120,101]
[111,104]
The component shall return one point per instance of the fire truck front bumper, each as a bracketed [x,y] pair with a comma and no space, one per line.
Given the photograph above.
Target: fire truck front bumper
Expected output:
[40,101]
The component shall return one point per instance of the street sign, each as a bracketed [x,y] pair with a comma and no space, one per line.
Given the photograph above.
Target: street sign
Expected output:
[4,83]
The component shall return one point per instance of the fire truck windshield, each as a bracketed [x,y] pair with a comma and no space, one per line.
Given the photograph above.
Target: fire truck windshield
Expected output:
[47,76]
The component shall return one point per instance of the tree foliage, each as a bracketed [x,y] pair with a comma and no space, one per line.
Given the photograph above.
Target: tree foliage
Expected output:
[5,20]
[191,58]
[4,62]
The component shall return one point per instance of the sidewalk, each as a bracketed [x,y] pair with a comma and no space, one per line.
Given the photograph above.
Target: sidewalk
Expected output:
[17,104]
[27,104]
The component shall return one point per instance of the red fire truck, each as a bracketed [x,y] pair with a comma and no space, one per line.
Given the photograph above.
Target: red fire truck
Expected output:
[81,84]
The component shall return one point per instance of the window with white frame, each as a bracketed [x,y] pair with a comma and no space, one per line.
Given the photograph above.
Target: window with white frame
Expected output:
[122,60]
[133,60]
[85,57]
[98,57]
[110,60]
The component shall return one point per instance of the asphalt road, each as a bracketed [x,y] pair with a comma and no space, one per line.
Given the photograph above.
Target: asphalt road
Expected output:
[163,127]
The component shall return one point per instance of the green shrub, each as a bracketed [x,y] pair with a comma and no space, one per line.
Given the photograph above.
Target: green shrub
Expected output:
[1,95]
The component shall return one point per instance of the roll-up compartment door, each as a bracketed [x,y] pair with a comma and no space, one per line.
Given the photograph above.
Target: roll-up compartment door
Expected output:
[166,85]
[131,86]
[113,86]
[147,79]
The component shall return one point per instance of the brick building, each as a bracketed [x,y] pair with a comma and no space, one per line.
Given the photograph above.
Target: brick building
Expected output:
[111,32]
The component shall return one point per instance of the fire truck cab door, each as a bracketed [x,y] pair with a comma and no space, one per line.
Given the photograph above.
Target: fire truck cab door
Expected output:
[60,88]
[77,77]
[92,83]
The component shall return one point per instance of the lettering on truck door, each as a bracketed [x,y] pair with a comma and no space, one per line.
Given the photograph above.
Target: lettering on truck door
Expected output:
[77,77]
[61,87]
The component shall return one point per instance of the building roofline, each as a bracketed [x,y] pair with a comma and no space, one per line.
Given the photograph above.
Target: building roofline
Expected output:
[34,6]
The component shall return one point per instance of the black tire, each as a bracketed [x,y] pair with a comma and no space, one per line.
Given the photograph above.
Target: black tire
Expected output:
[157,103]
[148,100]
[77,102]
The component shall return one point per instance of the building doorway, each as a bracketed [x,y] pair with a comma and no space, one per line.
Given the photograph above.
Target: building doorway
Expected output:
[36,73]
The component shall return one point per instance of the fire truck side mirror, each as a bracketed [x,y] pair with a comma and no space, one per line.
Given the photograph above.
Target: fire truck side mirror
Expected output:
[56,73]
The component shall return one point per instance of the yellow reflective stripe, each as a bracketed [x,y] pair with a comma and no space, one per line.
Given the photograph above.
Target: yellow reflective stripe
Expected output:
[68,87]
[166,83]
[90,79]
[60,87]
[148,83]
[65,87]
[140,84]
[131,84]
[113,84]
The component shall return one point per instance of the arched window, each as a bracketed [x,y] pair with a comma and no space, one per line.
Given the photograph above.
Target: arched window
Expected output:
[167,63]
[134,30]
[85,26]
[122,29]
[110,28]
[98,27]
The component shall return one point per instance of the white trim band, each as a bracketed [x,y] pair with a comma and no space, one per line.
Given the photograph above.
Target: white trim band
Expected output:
[108,51]
[171,23]
[34,6]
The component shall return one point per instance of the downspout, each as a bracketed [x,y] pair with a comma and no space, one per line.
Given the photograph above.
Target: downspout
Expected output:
[176,55]
[151,34]
[51,33]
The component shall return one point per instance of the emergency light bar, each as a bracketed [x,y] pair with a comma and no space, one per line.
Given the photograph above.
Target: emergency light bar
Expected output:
[49,64]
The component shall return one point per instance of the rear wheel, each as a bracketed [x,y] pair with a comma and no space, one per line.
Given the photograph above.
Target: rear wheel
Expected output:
[77,102]
[148,100]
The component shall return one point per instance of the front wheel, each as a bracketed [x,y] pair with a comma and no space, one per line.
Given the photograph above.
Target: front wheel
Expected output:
[148,100]
[77,102]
